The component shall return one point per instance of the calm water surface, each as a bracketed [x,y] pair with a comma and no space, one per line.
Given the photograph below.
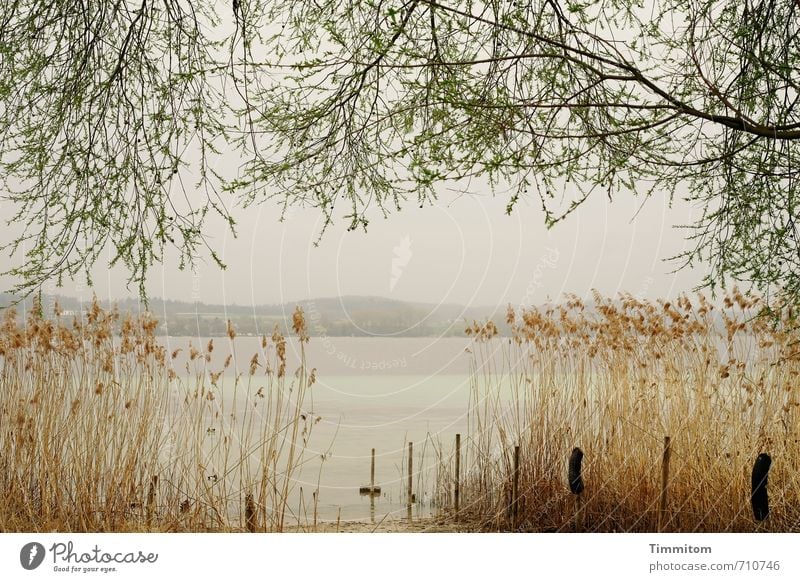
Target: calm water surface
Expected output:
[376,393]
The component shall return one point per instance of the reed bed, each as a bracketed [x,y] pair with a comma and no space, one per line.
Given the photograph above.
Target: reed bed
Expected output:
[99,431]
[615,378]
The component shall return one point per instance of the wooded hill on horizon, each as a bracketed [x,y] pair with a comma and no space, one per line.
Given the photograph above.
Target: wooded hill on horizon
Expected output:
[329,316]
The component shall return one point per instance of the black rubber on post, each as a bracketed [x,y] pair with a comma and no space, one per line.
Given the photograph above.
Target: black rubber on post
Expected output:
[575,479]
[760,499]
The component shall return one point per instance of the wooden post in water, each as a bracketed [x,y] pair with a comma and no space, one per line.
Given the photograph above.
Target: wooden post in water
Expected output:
[410,477]
[457,492]
[151,499]
[250,513]
[314,495]
[662,505]
[759,497]
[576,483]
[515,489]
[372,488]
[372,472]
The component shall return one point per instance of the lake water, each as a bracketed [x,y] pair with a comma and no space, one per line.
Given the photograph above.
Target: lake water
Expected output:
[370,393]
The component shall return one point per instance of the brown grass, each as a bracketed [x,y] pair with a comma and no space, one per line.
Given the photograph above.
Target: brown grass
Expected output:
[614,379]
[98,431]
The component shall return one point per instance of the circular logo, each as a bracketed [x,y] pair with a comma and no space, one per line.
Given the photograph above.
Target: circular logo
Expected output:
[31,555]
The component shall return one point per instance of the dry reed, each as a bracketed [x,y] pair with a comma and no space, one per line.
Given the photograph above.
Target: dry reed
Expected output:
[614,378]
[99,432]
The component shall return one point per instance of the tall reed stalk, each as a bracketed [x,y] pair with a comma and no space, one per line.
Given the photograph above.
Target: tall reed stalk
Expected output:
[99,432]
[614,378]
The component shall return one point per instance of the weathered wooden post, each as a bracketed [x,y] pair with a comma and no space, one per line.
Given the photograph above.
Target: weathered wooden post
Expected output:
[662,506]
[410,477]
[759,497]
[372,488]
[151,499]
[250,513]
[515,489]
[457,492]
[372,472]
[576,483]
[314,495]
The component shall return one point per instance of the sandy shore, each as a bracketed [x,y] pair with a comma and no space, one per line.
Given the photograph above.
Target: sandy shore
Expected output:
[386,524]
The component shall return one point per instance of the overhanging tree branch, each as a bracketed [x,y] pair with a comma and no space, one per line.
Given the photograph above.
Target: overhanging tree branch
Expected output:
[375,104]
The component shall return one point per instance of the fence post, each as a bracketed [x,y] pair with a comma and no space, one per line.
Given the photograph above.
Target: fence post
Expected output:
[576,483]
[759,497]
[515,488]
[457,492]
[410,477]
[151,499]
[372,488]
[249,513]
[372,474]
[662,506]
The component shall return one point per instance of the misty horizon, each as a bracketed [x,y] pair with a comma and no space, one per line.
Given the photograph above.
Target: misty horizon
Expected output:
[466,252]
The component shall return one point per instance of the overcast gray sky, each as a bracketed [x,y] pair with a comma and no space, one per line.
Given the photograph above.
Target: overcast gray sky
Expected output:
[463,250]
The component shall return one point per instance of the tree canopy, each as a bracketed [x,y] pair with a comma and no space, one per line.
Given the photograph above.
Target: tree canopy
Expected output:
[115,116]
